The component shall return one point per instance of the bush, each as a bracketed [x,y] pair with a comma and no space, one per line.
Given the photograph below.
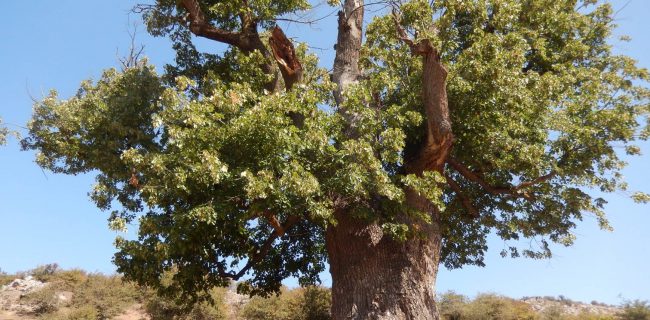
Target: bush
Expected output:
[44,300]
[165,308]
[310,303]
[43,273]
[94,296]
[635,310]
[5,278]
[315,303]
[451,305]
[108,295]
[81,313]
[496,307]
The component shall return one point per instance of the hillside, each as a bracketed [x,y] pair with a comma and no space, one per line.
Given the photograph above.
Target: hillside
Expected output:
[49,293]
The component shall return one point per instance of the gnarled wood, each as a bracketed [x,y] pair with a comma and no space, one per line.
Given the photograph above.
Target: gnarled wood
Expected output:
[246,40]
[433,151]
[285,56]
[200,27]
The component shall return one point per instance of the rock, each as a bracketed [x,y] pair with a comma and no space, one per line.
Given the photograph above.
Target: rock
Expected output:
[26,285]
[569,307]
[11,293]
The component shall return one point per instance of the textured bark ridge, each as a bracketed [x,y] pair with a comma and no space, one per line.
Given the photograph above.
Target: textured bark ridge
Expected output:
[434,149]
[376,277]
[285,56]
[348,46]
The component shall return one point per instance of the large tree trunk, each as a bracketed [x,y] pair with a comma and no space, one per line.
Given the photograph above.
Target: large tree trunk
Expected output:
[377,277]
[373,275]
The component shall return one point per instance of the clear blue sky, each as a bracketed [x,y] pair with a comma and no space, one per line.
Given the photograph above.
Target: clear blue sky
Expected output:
[48,218]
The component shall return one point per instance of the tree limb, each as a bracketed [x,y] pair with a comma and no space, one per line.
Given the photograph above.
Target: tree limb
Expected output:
[200,27]
[438,138]
[280,230]
[465,201]
[515,191]
[285,56]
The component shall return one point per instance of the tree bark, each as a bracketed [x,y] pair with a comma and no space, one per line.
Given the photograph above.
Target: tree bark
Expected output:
[377,277]
[348,46]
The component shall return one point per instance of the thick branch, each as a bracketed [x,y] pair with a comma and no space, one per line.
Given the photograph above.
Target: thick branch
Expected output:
[200,27]
[348,45]
[465,201]
[515,191]
[279,231]
[248,40]
[285,56]
[438,138]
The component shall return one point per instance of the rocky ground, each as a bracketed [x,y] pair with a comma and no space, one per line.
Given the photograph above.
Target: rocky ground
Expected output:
[12,308]
[569,307]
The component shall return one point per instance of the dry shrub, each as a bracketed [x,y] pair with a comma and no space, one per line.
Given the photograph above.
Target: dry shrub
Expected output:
[311,303]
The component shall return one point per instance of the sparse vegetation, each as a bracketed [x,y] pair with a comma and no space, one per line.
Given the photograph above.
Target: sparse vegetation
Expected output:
[485,306]
[490,306]
[78,295]
[5,278]
[635,310]
[311,303]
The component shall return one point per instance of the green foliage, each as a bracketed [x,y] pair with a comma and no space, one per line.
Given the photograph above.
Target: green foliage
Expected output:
[310,303]
[164,19]
[204,158]
[635,310]
[533,87]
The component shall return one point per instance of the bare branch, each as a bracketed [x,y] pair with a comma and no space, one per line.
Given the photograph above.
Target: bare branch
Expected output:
[132,59]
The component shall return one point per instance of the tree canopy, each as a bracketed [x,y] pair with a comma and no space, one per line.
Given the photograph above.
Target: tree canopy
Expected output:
[224,182]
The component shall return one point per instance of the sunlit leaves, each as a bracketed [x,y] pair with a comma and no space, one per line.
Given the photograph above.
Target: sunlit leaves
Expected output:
[209,162]
[533,88]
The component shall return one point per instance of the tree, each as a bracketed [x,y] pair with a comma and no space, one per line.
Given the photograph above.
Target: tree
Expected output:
[453,119]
